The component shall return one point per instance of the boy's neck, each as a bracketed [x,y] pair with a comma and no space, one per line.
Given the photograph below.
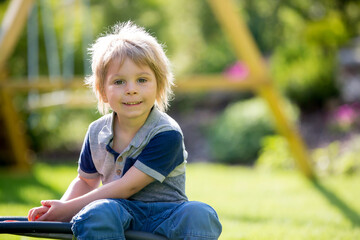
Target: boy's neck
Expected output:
[128,126]
[124,131]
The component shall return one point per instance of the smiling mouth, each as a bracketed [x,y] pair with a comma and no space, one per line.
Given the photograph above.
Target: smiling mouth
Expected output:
[132,103]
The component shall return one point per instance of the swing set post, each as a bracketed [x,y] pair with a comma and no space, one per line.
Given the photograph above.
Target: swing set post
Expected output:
[245,49]
[11,28]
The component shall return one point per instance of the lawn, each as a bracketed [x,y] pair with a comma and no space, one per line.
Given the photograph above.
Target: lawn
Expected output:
[252,204]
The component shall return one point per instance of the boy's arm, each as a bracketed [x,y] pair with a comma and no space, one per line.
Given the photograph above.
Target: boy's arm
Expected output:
[133,181]
[80,186]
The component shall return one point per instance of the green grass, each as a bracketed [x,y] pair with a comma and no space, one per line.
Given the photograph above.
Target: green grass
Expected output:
[251,204]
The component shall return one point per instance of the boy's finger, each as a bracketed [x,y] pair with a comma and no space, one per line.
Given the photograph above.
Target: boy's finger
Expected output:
[31,215]
[46,203]
[35,213]
[41,217]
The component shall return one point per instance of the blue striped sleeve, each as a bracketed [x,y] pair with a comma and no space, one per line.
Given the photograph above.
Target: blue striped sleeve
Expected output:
[162,155]
[86,163]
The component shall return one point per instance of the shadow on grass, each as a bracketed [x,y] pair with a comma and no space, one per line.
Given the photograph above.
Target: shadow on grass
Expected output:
[12,187]
[337,202]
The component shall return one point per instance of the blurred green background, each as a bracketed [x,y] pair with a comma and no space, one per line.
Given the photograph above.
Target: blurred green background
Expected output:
[312,50]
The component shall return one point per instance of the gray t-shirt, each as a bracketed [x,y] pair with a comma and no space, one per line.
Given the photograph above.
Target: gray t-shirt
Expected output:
[157,149]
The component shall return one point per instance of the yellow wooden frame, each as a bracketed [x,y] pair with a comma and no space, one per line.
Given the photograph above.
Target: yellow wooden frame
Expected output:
[11,27]
[246,50]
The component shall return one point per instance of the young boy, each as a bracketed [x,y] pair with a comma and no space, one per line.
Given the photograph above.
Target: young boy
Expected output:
[137,152]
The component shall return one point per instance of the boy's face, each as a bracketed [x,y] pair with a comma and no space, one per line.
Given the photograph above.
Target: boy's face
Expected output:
[130,90]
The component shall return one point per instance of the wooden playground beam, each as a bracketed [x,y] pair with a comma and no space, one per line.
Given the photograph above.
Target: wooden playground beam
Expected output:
[10,31]
[193,83]
[246,50]
[201,83]
[79,95]
[42,84]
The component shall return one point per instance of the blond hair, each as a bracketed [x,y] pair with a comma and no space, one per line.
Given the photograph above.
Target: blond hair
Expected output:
[126,40]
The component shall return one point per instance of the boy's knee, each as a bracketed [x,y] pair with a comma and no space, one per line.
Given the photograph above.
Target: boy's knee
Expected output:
[200,218]
[99,209]
[198,210]
[102,215]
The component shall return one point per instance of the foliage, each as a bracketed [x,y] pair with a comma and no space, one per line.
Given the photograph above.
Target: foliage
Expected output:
[58,128]
[335,159]
[193,36]
[236,135]
[305,73]
[304,65]
[329,32]
[275,154]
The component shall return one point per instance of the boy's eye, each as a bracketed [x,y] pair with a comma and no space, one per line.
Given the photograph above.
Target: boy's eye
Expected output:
[142,80]
[119,82]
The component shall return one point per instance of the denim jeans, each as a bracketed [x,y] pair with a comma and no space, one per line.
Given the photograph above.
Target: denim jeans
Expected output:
[109,218]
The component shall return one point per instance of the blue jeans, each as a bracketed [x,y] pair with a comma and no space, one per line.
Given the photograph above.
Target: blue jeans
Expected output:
[109,218]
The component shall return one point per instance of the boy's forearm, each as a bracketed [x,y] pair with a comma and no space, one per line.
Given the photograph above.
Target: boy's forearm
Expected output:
[111,190]
[115,189]
[78,195]
[133,181]
[77,188]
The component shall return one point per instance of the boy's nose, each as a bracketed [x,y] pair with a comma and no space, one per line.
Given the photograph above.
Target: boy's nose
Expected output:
[131,89]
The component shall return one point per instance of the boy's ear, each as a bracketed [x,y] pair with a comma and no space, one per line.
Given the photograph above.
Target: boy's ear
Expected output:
[102,94]
[104,98]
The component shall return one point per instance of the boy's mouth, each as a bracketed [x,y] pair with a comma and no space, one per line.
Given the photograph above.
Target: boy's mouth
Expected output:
[132,103]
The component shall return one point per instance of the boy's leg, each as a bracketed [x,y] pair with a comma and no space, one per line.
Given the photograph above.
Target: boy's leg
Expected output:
[101,219]
[191,220]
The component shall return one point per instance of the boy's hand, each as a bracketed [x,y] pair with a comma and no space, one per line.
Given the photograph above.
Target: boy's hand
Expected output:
[57,211]
[35,213]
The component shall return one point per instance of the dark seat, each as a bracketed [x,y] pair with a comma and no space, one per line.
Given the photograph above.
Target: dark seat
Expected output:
[57,230]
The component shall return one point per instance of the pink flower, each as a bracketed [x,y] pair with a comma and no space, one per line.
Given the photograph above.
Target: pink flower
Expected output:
[237,72]
[346,116]
[345,113]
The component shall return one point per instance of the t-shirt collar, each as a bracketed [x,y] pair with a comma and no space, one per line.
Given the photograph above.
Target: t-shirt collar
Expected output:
[107,132]
[148,126]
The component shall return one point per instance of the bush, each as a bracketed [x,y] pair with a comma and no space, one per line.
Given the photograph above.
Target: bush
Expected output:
[337,158]
[58,128]
[236,135]
[275,154]
[305,74]
[334,159]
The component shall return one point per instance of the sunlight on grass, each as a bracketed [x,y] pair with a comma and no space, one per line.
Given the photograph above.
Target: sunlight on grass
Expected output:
[251,204]
[60,179]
